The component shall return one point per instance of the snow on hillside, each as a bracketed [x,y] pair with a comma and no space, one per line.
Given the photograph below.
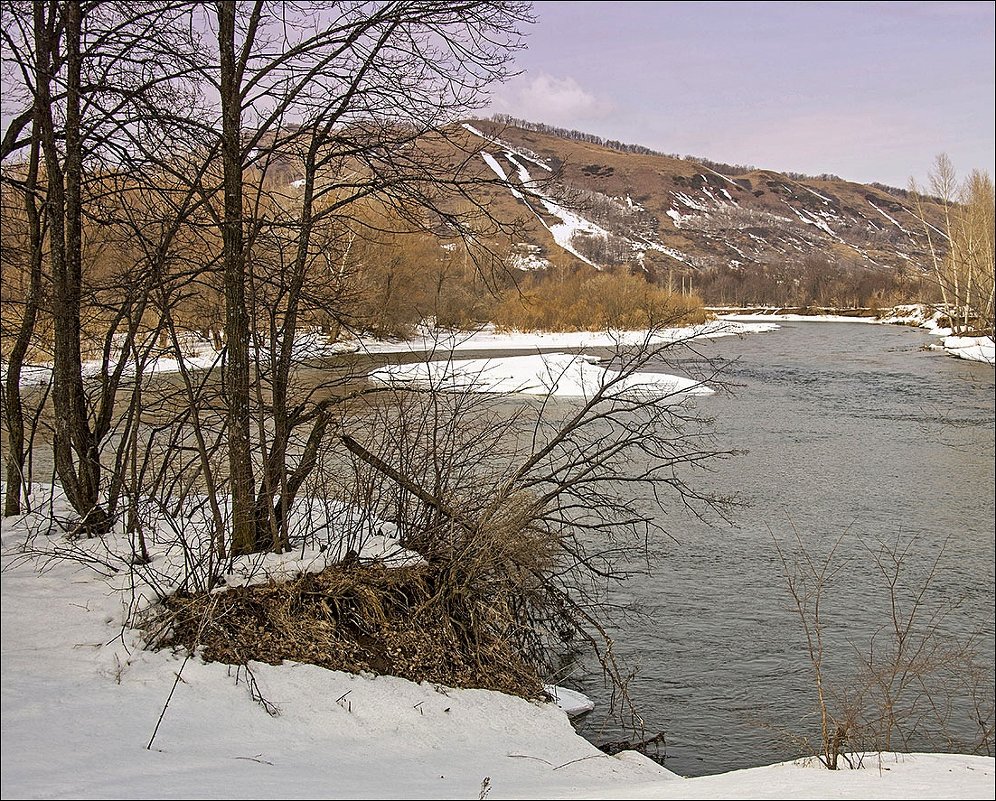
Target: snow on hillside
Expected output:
[530,157]
[571,224]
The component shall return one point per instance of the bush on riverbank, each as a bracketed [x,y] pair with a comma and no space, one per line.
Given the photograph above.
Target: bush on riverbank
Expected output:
[400,621]
[588,301]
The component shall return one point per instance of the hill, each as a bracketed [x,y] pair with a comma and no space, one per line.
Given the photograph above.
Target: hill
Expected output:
[735,234]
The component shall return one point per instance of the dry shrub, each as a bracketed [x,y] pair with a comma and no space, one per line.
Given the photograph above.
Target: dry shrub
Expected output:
[593,302]
[456,619]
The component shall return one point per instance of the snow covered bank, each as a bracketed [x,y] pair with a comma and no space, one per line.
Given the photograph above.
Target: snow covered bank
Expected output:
[557,374]
[199,353]
[554,374]
[81,701]
[887,776]
[487,338]
[797,318]
[976,349]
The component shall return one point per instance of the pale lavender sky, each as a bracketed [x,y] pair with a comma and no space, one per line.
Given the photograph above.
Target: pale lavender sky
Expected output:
[871,91]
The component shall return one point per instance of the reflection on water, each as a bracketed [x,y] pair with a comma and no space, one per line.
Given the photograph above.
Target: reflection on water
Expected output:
[851,431]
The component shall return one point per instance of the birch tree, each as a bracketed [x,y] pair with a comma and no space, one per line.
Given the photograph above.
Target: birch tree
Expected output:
[962,250]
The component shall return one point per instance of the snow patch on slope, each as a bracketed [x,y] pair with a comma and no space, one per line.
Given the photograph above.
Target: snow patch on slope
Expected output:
[530,157]
[890,218]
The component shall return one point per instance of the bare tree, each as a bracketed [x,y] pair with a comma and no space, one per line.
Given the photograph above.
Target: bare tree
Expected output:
[912,682]
[17,476]
[219,112]
[88,76]
[963,252]
[354,98]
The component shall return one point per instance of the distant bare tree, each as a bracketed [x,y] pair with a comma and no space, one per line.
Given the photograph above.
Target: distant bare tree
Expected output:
[963,253]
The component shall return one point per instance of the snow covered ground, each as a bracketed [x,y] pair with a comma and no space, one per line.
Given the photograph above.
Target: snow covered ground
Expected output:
[81,702]
[487,338]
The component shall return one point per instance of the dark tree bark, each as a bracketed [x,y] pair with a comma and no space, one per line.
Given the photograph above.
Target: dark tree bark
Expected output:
[77,458]
[16,488]
[241,479]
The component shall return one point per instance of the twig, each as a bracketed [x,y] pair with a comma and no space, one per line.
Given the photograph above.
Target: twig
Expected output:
[166,705]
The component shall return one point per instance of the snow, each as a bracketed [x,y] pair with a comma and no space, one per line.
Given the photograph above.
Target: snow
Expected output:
[571,702]
[811,219]
[690,202]
[676,216]
[798,318]
[571,223]
[197,354]
[498,170]
[885,776]
[488,338]
[550,374]
[677,255]
[720,175]
[890,218]
[526,257]
[915,314]
[976,349]
[82,700]
[518,151]
[824,198]
[924,222]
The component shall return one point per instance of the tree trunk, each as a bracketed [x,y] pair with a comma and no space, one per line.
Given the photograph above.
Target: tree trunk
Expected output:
[77,459]
[236,382]
[16,480]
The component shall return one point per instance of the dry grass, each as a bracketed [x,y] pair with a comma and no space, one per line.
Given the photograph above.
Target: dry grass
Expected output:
[414,622]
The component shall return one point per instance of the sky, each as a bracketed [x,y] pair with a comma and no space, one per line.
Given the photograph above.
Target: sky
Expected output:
[870,91]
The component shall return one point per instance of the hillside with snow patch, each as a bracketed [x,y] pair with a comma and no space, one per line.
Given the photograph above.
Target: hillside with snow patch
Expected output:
[599,206]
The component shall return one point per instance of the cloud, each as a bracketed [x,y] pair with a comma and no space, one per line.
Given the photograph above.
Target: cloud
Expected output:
[547,98]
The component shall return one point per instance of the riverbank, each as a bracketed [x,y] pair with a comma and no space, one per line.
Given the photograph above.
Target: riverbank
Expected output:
[199,353]
[976,349]
[88,713]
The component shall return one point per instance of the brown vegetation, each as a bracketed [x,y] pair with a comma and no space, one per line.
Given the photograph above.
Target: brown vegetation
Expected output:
[590,301]
[399,621]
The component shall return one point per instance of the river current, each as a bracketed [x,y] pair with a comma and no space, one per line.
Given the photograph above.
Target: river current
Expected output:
[850,432]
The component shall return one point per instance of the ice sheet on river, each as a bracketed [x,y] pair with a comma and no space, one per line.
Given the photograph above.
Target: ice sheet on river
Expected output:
[557,374]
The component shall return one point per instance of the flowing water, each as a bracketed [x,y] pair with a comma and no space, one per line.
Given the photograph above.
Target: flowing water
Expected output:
[852,432]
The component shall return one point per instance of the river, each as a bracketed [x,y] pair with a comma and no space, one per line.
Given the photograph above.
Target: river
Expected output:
[851,432]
